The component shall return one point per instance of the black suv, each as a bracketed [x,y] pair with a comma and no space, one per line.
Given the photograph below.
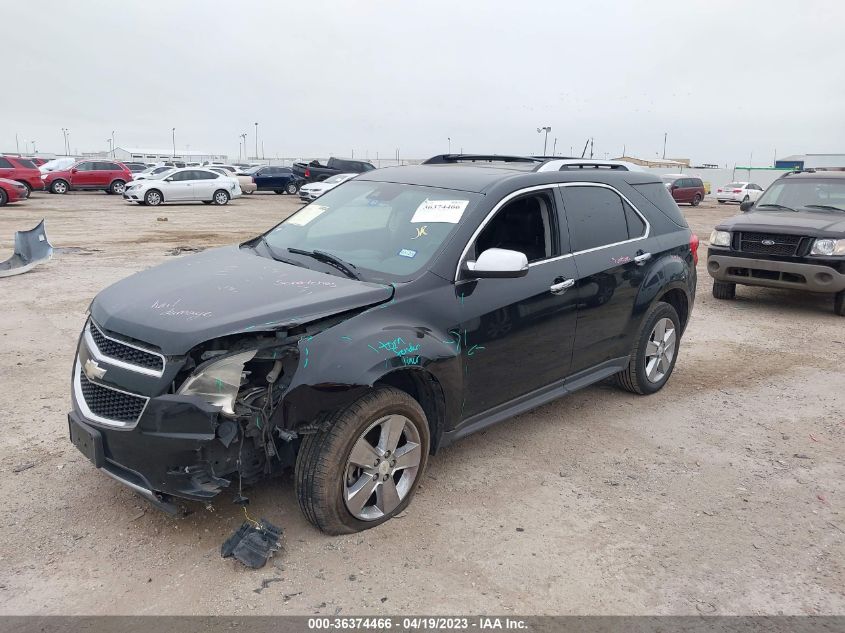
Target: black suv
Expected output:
[792,237]
[401,311]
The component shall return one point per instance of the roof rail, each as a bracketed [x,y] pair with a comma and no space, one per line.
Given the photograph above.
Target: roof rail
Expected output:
[442,159]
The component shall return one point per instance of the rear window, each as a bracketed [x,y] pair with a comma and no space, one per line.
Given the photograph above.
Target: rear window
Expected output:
[735,185]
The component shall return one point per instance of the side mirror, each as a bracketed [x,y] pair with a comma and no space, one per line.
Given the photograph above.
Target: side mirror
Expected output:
[745,206]
[168,179]
[74,170]
[499,263]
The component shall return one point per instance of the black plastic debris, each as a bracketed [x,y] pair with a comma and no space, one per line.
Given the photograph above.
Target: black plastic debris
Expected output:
[253,543]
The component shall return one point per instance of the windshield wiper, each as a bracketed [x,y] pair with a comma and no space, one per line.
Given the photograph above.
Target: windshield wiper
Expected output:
[776,206]
[343,266]
[823,206]
[275,255]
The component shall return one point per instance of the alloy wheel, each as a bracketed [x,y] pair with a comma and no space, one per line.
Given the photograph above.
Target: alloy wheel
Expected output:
[221,198]
[660,350]
[382,467]
[153,198]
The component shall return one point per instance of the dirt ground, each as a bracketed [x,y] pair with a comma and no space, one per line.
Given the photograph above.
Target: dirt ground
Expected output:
[722,494]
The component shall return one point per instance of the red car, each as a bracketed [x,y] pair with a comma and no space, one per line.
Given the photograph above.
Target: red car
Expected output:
[685,188]
[106,175]
[12,191]
[22,170]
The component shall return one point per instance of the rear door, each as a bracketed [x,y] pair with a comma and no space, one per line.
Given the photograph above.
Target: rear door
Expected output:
[205,183]
[106,172]
[612,253]
[84,175]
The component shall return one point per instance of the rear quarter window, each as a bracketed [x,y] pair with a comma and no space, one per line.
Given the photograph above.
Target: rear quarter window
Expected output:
[23,162]
[657,194]
[5,163]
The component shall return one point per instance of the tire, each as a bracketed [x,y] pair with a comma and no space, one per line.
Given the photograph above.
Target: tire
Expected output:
[646,372]
[278,191]
[324,473]
[724,290]
[28,187]
[696,200]
[206,201]
[4,198]
[153,198]
[117,187]
[721,202]
[220,197]
[108,191]
[291,189]
[745,199]
[839,303]
[59,186]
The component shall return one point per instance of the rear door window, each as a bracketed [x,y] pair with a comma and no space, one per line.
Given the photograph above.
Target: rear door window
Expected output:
[596,217]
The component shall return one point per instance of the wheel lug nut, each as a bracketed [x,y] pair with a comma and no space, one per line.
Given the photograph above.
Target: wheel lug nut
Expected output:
[378,461]
[386,477]
[387,453]
[393,462]
[375,477]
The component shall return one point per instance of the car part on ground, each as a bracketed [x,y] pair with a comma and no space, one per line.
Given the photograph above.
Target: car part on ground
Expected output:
[377,325]
[31,249]
[793,237]
[253,543]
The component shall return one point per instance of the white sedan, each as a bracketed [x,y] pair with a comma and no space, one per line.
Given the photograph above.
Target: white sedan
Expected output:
[314,190]
[183,185]
[738,192]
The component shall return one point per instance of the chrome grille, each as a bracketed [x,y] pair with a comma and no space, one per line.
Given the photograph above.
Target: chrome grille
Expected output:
[769,243]
[111,349]
[105,404]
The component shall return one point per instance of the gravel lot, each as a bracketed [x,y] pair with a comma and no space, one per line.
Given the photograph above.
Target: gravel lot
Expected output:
[723,493]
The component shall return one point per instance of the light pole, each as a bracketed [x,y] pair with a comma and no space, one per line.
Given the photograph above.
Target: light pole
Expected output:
[256,140]
[665,134]
[17,145]
[64,134]
[112,143]
[109,141]
[449,138]
[545,129]
[243,142]
[554,147]
[173,132]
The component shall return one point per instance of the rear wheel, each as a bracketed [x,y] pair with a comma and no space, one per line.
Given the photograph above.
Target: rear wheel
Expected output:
[4,198]
[696,200]
[59,186]
[724,290]
[366,467]
[28,187]
[655,351]
[117,187]
[291,188]
[153,198]
[839,303]
[278,191]
[220,197]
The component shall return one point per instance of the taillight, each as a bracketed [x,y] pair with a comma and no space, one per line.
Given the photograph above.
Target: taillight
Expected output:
[693,246]
[307,173]
[718,191]
[737,190]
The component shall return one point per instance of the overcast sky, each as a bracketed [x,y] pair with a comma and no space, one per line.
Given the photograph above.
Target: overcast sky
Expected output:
[724,79]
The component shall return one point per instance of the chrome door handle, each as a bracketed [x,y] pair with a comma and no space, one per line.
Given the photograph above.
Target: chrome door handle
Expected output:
[642,259]
[561,287]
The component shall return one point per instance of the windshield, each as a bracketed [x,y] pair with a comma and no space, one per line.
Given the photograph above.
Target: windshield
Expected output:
[335,179]
[160,173]
[804,193]
[387,231]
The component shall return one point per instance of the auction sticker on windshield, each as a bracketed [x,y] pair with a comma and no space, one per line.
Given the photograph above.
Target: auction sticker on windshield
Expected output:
[440,211]
[307,214]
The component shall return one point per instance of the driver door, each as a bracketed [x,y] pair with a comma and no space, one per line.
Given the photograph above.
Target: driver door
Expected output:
[525,324]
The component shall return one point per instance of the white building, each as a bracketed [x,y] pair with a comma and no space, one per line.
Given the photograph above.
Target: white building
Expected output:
[146,155]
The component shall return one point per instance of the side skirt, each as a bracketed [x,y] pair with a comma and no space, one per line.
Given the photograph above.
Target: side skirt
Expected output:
[534,399]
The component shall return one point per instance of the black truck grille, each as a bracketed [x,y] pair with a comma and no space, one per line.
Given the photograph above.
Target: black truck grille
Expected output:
[110,404]
[126,353]
[769,243]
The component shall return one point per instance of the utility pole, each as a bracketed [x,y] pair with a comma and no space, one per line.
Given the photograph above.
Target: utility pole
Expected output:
[263,155]
[546,129]
[256,140]
[17,145]
[173,132]
[112,143]
[665,136]
[554,147]
[242,142]
[449,138]
[591,146]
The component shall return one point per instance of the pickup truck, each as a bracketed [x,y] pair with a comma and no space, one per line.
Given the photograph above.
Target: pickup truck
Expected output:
[315,172]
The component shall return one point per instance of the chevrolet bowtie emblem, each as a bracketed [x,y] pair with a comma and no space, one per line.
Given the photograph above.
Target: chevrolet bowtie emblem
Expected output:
[92,370]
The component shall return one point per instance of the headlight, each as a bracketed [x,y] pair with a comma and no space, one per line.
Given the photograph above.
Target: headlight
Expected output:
[218,382]
[720,238]
[827,247]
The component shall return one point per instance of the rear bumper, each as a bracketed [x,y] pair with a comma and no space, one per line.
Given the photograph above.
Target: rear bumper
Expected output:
[774,274]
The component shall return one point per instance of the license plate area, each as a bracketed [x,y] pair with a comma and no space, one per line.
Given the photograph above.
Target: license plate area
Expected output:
[89,442]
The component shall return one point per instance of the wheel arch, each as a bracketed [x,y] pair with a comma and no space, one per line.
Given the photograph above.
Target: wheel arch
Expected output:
[160,192]
[423,387]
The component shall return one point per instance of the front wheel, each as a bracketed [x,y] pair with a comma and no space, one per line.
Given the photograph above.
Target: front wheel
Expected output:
[59,186]
[839,303]
[724,290]
[696,200]
[28,187]
[291,188]
[745,199]
[4,198]
[220,197]
[153,198]
[655,351]
[365,468]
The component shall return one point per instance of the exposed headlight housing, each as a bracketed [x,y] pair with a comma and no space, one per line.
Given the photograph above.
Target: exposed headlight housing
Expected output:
[828,247]
[218,381]
[720,238]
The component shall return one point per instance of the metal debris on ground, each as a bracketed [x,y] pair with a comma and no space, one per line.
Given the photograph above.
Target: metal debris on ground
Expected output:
[31,248]
[253,543]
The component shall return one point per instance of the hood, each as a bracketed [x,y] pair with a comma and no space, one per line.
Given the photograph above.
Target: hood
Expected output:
[809,223]
[56,173]
[188,301]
